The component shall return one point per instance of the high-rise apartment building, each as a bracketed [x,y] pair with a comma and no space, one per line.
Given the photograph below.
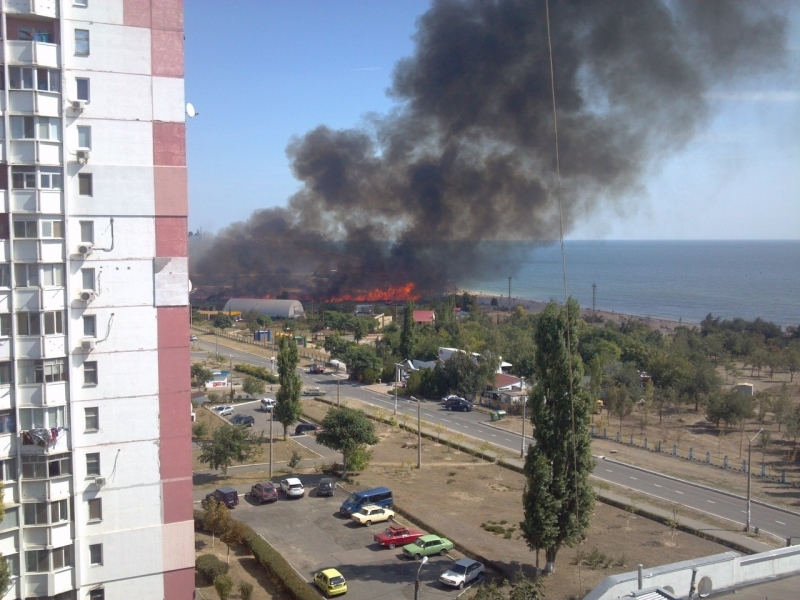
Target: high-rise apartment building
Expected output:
[95,453]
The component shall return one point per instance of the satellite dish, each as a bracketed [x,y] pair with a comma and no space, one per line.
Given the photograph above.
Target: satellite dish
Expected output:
[190,110]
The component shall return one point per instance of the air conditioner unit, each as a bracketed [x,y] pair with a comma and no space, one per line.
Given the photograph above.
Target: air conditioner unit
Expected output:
[88,343]
[82,155]
[88,295]
[99,481]
[78,105]
[85,249]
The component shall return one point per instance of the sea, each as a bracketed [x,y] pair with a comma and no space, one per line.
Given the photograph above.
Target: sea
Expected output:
[676,280]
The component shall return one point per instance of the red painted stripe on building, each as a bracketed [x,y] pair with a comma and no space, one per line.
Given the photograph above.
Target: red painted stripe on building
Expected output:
[136,13]
[171,237]
[171,191]
[169,144]
[168,14]
[179,585]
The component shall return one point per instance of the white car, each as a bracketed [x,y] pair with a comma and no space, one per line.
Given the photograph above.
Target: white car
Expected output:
[267,404]
[292,487]
[225,409]
[371,513]
[462,572]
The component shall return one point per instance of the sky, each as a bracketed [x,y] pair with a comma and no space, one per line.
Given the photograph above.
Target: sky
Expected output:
[262,71]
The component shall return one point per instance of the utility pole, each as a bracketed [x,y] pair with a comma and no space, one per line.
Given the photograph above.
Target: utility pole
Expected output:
[419,432]
[509,292]
[338,397]
[524,407]
[396,385]
[749,471]
[416,582]
[594,289]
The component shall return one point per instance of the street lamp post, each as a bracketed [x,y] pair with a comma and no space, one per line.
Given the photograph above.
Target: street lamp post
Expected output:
[396,384]
[419,432]
[230,374]
[338,396]
[416,581]
[749,471]
[271,421]
[524,407]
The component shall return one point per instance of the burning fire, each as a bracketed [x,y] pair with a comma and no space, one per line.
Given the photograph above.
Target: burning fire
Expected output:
[392,292]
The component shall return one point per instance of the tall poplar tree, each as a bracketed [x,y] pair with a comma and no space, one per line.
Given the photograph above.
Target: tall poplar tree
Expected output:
[407,333]
[287,400]
[558,466]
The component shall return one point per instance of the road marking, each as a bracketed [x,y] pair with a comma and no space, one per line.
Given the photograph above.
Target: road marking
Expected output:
[655,484]
[677,492]
[609,470]
[711,501]
[493,435]
[634,478]
[508,440]
[447,420]
[780,523]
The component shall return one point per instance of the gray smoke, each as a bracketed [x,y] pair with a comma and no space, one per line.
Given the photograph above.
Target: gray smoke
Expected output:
[468,156]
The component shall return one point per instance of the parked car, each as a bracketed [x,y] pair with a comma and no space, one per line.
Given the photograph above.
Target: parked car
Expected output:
[292,487]
[313,391]
[223,410]
[428,545]
[316,369]
[306,428]
[225,495]
[267,404]
[459,404]
[397,535]
[367,515]
[330,582]
[264,492]
[462,572]
[446,399]
[326,487]
[382,496]
[243,420]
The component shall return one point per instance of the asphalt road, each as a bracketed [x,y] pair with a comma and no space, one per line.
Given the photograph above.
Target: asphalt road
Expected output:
[779,523]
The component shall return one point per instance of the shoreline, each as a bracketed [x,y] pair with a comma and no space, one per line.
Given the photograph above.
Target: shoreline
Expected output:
[535,306]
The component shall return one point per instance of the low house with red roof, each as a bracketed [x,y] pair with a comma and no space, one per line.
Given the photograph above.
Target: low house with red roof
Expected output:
[424,316]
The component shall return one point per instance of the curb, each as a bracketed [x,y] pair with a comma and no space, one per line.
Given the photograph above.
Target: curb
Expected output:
[704,487]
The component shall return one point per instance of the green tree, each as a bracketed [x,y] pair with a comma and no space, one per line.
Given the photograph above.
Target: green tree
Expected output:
[363,363]
[228,444]
[263,320]
[462,376]
[287,401]
[729,407]
[408,332]
[216,517]
[336,345]
[253,386]
[782,406]
[224,585]
[233,535]
[360,327]
[791,360]
[223,321]
[200,375]
[346,430]
[560,414]
[246,590]
[620,403]
[525,588]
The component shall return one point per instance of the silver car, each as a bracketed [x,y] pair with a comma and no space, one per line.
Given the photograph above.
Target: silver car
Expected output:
[462,572]
[292,487]
[223,410]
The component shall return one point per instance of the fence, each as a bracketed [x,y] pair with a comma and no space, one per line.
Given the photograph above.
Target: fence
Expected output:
[723,462]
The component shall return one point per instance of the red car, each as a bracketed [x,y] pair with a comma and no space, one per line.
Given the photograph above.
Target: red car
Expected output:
[264,492]
[397,535]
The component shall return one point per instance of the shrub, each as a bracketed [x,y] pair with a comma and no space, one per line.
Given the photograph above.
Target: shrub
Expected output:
[210,567]
[246,590]
[257,372]
[295,460]
[223,584]
[199,429]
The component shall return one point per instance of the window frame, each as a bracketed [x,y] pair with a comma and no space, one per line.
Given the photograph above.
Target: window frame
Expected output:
[93,464]
[87,232]
[96,555]
[93,320]
[86,132]
[90,375]
[91,416]
[82,42]
[78,95]
[96,507]
[85,185]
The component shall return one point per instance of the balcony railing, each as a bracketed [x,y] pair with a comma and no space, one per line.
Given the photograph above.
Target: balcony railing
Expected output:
[42,8]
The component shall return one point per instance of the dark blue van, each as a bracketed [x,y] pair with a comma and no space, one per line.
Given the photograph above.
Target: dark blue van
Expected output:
[381,496]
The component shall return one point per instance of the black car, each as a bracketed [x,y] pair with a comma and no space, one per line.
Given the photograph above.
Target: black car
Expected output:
[459,404]
[326,487]
[243,420]
[306,427]
[225,495]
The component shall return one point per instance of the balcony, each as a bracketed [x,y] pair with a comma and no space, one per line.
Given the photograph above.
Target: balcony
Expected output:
[39,8]
[40,54]
[46,585]
[46,104]
[44,441]
[50,202]
[30,152]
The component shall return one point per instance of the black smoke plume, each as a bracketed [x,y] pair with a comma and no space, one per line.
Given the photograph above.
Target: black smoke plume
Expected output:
[468,155]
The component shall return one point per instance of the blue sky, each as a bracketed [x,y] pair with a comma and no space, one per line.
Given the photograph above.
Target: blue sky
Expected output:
[262,71]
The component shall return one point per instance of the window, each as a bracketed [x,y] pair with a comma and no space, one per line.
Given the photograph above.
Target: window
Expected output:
[49,128]
[62,557]
[53,275]
[41,418]
[5,326]
[22,128]
[82,42]
[6,373]
[87,278]
[32,34]
[54,322]
[82,85]
[96,554]
[21,78]
[48,80]
[28,323]
[7,422]
[52,228]
[96,509]
[92,418]
[98,594]
[25,229]
[87,231]
[50,178]
[10,520]
[8,470]
[84,136]
[42,467]
[35,513]
[42,371]
[5,276]
[93,463]
[36,561]
[59,511]
[26,275]
[29,128]
[25,178]
[90,326]
[90,372]
[85,184]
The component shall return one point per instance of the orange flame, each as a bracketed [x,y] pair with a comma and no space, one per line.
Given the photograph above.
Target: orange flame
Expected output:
[392,292]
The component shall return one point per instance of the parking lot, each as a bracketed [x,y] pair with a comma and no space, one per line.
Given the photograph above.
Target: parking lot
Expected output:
[311,535]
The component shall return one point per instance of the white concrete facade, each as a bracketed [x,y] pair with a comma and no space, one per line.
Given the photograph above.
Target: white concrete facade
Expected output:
[85,277]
